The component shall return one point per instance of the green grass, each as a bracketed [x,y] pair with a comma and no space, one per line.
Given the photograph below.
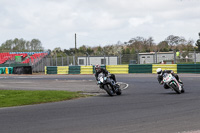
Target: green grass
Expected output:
[10,98]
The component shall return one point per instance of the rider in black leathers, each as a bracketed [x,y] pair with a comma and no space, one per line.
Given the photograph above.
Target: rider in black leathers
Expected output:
[160,76]
[99,70]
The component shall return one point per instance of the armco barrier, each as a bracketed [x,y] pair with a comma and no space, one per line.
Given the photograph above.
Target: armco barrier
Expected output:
[62,69]
[164,67]
[86,70]
[118,69]
[74,69]
[140,68]
[188,68]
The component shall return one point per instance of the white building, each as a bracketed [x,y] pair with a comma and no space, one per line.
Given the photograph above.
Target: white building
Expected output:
[101,60]
[152,57]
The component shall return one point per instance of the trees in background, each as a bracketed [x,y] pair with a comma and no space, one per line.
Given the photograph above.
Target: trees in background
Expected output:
[198,44]
[17,45]
[134,45]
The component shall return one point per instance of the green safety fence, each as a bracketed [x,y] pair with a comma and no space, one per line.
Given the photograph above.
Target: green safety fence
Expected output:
[74,69]
[140,68]
[51,70]
[188,68]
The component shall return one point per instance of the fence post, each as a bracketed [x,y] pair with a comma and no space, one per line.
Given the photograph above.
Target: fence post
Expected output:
[195,58]
[138,57]
[56,60]
[88,59]
[156,57]
[62,61]
[67,60]
[74,60]
[174,56]
[108,60]
[120,58]
[38,65]
[51,62]
[104,60]
[42,65]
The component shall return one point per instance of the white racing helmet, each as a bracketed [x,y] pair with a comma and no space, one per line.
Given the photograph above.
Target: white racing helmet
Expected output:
[159,71]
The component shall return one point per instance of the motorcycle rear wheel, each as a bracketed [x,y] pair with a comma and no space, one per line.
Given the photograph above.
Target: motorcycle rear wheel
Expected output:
[119,92]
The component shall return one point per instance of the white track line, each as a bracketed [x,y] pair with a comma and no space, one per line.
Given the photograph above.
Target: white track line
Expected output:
[124,83]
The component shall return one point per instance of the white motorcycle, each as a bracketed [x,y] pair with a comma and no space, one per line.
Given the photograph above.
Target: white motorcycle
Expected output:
[171,81]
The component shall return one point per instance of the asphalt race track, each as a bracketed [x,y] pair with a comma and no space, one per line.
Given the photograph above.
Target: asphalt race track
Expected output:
[144,107]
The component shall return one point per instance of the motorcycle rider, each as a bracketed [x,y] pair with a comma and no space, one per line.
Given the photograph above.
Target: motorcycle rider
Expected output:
[160,73]
[99,70]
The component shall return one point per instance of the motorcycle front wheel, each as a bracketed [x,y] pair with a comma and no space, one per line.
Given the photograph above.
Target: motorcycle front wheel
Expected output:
[108,89]
[183,90]
[176,88]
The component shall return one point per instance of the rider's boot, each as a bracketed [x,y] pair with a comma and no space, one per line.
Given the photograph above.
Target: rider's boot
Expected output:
[101,86]
[180,81]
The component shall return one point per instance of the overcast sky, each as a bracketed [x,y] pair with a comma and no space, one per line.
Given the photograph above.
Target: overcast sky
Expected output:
[97,22]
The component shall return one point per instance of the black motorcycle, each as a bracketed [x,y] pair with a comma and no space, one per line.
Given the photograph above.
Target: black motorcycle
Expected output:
[108,84]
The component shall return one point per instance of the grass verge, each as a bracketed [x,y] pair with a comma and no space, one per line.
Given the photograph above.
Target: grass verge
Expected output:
[9,98]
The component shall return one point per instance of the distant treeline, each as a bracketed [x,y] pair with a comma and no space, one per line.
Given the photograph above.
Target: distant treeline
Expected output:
[134,45]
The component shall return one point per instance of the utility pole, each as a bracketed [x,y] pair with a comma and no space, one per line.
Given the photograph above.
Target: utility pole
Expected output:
[74,52]
[75,44]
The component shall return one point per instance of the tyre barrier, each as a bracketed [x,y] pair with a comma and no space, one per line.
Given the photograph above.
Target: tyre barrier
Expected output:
[22,70]
[164,67]
[140,68]
[118,69]
[62,70]
[86,70]
[16,70]
[6,70]
[2,70]
[188,68]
